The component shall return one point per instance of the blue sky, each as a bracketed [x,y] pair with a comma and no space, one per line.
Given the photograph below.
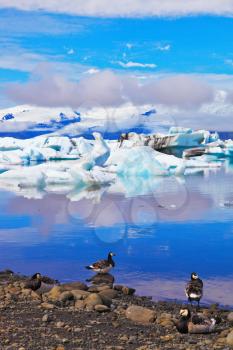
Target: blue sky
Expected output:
[77,40]
[200,44]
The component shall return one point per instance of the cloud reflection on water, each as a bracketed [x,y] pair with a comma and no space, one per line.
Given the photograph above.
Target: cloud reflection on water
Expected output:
[159,236]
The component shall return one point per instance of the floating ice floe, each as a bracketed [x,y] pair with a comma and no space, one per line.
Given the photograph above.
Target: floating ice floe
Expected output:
[65,164]
[176,137]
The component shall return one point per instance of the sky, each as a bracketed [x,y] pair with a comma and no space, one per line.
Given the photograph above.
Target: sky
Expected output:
[176,55]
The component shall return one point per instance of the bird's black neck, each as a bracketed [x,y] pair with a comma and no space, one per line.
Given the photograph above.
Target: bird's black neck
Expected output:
[197,281]
[110,260]
[182,325]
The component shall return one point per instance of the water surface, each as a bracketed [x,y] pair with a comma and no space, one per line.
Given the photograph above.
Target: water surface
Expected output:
[159,235]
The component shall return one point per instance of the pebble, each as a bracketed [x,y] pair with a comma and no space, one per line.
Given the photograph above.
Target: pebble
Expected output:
[45,318]
[93,299]
[230,317]
[229,338]
[95,331]
[140,314]
[60,324]
[47,306]
[79,304]
[101,308]
[77,329]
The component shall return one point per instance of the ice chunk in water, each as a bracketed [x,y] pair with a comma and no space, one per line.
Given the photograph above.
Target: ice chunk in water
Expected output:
[137,161]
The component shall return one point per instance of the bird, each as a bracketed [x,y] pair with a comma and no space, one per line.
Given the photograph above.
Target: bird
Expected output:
[103,266]
[194,289]
[34,282]
[194,324]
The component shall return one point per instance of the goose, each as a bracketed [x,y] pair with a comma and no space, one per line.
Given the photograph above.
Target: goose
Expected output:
[103,266]
[34,282]
[194,289]
[194,324]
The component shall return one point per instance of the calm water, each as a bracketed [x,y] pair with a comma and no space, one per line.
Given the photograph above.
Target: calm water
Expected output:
[160,233]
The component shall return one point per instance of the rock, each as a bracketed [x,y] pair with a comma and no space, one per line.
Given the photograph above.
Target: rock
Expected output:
[140,314]
[230,317]
[166,323]
[123,338]
[124,289]
[93,289]
[79,294]
[229,339]
[224,333]
[98,288]
[101,308]
[128,291]
[165,320]
[26,292]
[167,337]
[103,287]
[104,278]
[93,299]
[35,296]
[106,301]
[221,341]
[74,286]
[77,329]
[60,324]
[54,293]
[79,304]
[65,296]
[118,287]
[46,318]
[47,306]
[109,293]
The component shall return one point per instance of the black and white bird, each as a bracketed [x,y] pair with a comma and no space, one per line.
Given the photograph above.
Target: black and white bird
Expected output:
[103,266]
[34,282]
[194,289]
[194,324]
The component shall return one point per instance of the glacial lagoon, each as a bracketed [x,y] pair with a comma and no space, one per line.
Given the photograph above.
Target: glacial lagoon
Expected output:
[182,224]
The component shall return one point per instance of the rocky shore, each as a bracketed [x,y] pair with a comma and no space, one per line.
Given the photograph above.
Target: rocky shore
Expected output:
[97,315]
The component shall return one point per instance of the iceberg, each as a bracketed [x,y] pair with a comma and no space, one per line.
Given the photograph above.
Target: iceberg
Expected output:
[24,177]
[137,161]
[134,164]
[175,138]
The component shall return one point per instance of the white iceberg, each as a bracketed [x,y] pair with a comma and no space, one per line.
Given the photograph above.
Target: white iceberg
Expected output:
[137,161]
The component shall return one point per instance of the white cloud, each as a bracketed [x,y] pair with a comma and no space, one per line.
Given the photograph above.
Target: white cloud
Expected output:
[125,8]
[51,90]
[165,47]
[25,23]
[129,46]
[106,88]
[14,57]
[197,101]
[92,71]
[70,52]
[131,64]
[229,62]
[20,60]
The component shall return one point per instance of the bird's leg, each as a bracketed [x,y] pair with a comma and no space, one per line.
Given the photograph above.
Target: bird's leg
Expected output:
[190,300]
